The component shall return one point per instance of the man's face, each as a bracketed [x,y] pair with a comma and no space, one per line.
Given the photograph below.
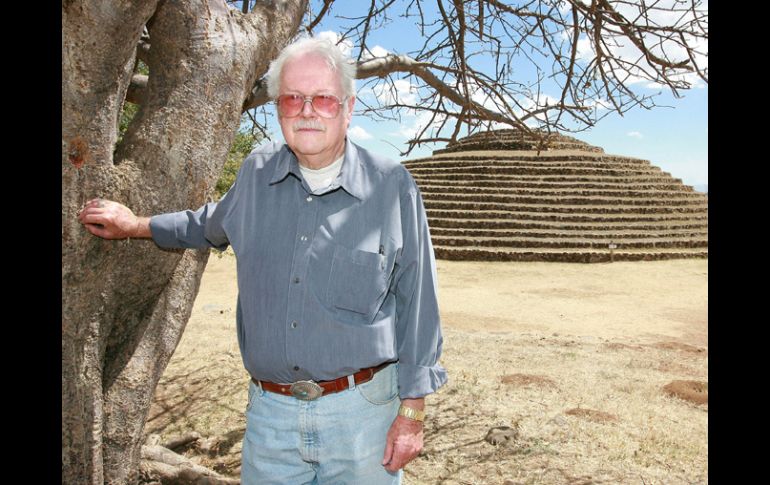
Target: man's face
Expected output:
[323,142]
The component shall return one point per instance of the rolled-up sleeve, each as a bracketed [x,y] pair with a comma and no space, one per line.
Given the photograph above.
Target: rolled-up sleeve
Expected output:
[418,326]
[193,229]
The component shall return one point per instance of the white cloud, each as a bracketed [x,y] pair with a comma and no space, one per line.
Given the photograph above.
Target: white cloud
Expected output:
[599,104]
[365,92]
[418,122]
[359,133]
[376,51]
[529,104]
[585,48]
[405,92]
[635,134]
[380,51]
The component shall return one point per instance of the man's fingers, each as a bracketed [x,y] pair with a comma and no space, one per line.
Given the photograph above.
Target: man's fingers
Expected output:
[386,458]
[89,210]
[394,466]
[400,456]
[396,459]
[98,230]
[93,218]
[92,210]
[95,203]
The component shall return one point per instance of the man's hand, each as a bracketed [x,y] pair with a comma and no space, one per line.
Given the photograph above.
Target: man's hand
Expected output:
[111,220]
[404,440]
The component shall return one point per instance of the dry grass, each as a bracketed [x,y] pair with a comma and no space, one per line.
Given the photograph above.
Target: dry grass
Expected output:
[582,381]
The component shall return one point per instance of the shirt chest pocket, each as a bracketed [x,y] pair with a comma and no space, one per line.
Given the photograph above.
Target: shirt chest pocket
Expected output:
[358,281]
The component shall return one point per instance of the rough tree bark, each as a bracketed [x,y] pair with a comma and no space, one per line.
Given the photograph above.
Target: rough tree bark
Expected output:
[125,303]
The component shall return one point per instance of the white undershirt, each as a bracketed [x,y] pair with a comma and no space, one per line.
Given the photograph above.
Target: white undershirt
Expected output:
[323,177]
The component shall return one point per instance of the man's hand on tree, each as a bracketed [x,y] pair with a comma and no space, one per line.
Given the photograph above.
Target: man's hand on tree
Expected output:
[112,220]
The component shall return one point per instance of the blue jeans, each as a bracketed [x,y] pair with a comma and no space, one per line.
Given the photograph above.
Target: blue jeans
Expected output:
[336,439]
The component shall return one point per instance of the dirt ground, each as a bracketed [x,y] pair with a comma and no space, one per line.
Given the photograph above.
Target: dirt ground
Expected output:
[573,363]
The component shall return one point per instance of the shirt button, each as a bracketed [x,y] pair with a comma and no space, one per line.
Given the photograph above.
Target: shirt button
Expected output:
[296,279]
[296,367]
[309,198]
[294,324]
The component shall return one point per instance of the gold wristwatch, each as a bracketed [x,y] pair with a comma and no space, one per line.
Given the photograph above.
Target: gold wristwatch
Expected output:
[411,413]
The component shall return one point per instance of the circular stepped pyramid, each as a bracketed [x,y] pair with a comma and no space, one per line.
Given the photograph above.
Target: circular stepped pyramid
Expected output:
[492,196]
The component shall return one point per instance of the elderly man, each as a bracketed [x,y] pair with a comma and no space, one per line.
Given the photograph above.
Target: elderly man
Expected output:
[337,315]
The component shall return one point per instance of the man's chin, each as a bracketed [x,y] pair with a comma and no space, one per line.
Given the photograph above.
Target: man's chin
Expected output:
[305,150]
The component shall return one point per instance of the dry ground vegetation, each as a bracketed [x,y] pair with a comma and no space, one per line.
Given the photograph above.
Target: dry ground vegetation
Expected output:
[558,374]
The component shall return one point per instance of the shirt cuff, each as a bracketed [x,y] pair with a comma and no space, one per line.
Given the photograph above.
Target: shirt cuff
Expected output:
[163,230]
[416,381]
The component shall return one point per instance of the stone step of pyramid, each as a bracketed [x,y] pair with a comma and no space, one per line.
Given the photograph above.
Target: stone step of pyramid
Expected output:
[517,133]
[515,225]
[506,180]
[563,161]
[516,184]
[562,170]
[548,190]
[522,160]
[522,157]
[567,218]
[570,208]
[516,145]
[564,242]
[550,199]
[549,165]
[603,234]
[565,255]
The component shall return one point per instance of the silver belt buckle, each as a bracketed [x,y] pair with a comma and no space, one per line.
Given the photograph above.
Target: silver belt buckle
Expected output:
[306,390]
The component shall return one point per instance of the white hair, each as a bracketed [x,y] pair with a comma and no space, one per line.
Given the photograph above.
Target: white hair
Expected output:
[332,54]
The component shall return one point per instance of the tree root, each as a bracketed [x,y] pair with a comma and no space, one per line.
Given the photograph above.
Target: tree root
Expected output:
[174,469]
[181,441]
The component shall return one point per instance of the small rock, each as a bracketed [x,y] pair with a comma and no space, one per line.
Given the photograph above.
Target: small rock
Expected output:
[558,420]
[501,434]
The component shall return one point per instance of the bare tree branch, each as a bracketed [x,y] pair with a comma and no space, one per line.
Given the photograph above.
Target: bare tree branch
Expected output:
[320,16]
[450,67]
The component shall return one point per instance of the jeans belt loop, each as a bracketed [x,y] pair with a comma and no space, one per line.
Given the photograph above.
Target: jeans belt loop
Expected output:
[351,382]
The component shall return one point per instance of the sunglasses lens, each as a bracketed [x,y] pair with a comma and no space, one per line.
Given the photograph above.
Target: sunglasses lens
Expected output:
[325,106]
[290,105]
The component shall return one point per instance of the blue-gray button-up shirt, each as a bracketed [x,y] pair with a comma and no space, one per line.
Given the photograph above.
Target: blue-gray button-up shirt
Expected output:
[329,282]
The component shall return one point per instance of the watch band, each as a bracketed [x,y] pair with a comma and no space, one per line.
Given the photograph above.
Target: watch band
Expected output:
[411,413]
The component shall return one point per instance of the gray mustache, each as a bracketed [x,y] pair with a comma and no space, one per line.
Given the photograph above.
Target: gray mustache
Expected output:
[308,125]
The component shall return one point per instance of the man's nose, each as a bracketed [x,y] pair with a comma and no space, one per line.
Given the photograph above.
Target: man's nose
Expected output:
[307,109]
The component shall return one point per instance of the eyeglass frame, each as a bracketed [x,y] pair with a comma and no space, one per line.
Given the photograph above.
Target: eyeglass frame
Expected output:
[309,99]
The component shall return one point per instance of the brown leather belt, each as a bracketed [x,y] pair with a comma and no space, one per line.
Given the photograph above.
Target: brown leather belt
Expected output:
[309,390]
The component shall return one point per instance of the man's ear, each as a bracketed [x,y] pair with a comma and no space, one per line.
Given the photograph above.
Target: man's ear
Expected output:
[351,103]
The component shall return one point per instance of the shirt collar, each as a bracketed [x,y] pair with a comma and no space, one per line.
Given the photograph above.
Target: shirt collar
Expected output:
[353,177]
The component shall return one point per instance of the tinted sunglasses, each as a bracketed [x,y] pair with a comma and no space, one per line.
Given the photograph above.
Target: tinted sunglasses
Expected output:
[325,105]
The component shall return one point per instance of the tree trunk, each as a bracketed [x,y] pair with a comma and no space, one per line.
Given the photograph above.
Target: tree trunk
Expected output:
[126,303]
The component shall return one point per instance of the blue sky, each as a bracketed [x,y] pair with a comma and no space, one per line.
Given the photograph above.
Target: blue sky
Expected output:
[673,138]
